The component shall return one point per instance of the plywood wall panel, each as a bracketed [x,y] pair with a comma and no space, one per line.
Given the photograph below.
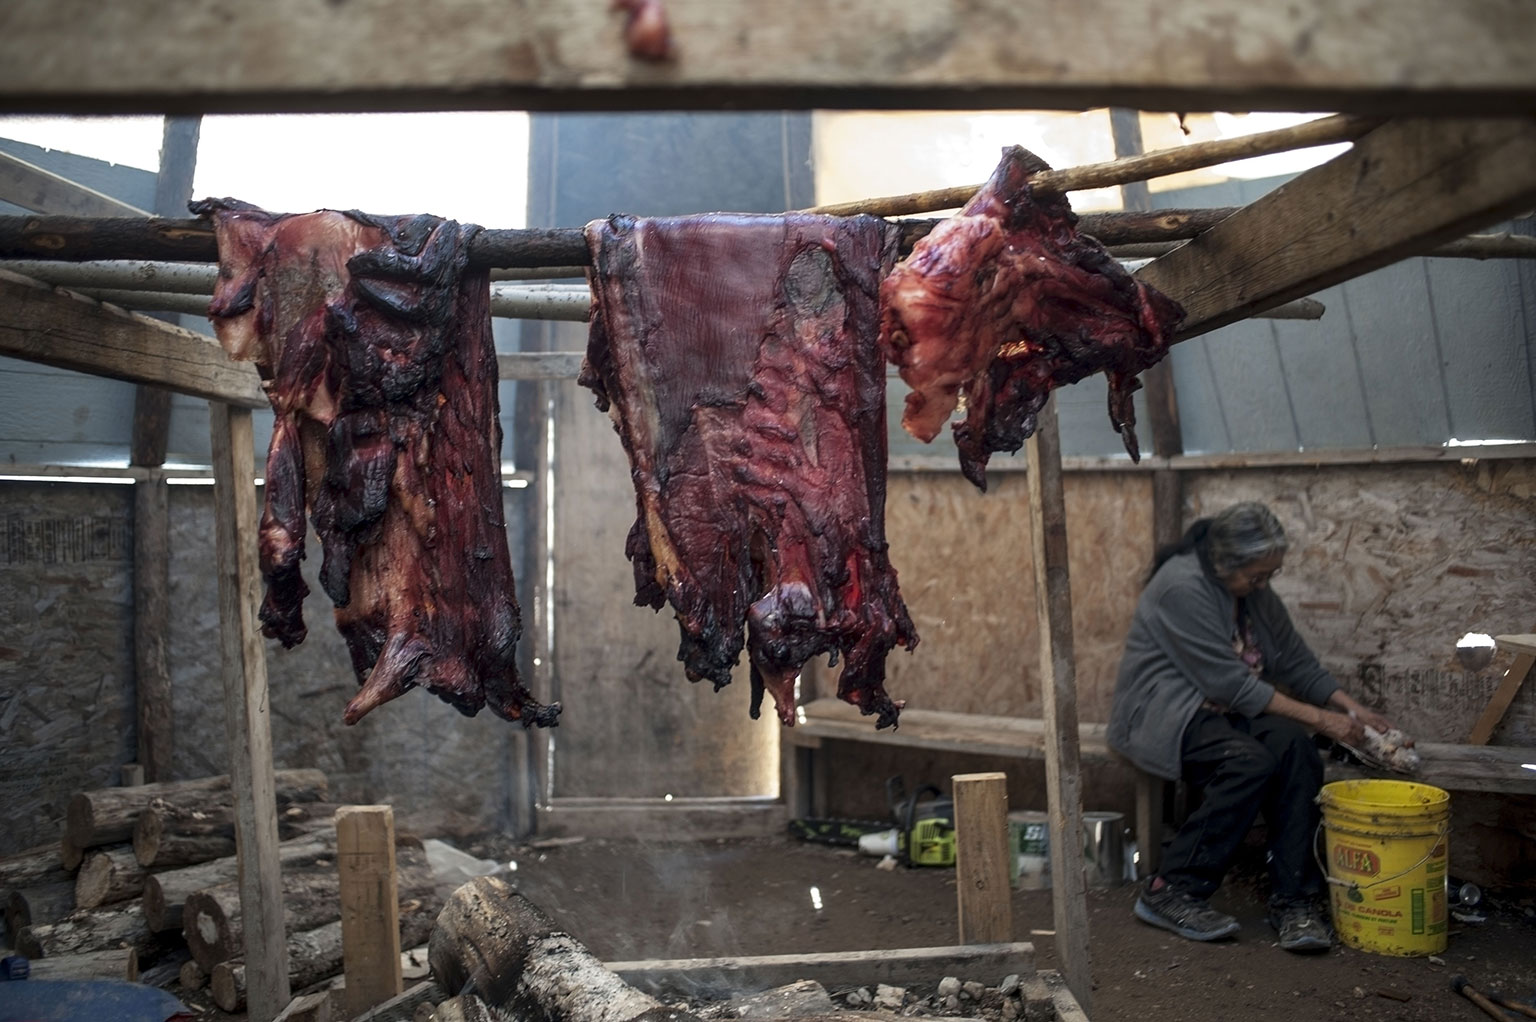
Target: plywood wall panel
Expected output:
[966,572]
[1390,565]
[66,651]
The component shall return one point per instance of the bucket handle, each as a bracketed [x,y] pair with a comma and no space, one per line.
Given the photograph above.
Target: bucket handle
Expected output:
[1357,886]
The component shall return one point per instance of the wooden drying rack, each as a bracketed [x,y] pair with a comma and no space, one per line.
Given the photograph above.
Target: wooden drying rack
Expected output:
[1405,187]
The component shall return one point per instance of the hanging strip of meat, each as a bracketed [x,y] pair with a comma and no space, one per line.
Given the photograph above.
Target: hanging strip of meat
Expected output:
[375,350]
[1003,303]
[737,357]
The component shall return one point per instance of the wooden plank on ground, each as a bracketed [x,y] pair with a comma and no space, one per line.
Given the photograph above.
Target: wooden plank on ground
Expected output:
[1524,648]
[247,711]
[981,858]
[1399,191]
[713,977]
[1063,777]
[370,905]
[1352,55]
[58,328]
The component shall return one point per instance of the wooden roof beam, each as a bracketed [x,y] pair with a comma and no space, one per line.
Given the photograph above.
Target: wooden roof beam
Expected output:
[1355,56]
[1405,188]
[59,328]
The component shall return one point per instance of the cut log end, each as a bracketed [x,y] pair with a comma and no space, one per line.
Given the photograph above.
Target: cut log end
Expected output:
[227,984]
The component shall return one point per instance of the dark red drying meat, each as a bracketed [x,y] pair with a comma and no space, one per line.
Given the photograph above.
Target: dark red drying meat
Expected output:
[646,33]
[375,349]
[1005,302]
[737,356]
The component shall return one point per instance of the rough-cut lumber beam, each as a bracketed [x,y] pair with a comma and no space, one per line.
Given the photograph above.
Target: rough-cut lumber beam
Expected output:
[79,239]
[82,56]
[247,706]
[1405,188]
[31,187]
[1063,776]
[726,977]
[1128,167]
[370,909]
[981,857]
[57,328]
[1503,245]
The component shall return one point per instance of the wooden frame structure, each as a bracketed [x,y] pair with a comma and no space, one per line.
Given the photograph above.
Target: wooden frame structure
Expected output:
[1405,187]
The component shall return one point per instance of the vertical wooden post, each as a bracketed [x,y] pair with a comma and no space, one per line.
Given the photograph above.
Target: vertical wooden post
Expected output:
[151,498]
[247,722]
[981,858]
[370,905]
[1058,684]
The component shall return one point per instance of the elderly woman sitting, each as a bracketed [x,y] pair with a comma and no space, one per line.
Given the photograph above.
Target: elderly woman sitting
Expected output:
[1196,698]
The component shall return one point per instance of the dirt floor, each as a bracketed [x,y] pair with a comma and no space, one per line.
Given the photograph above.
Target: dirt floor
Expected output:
[630,900]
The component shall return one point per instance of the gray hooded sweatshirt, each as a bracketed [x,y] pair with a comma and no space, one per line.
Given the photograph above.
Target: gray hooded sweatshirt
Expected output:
[1179,654]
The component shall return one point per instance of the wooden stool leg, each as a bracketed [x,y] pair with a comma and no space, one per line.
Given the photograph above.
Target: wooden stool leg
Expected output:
[1149,823]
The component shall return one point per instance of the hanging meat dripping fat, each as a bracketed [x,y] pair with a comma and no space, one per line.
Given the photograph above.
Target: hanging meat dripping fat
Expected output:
[737,357]
[374,347]
[1003,303]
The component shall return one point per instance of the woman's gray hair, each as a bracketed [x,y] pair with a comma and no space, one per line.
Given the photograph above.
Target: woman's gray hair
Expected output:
[1242,534]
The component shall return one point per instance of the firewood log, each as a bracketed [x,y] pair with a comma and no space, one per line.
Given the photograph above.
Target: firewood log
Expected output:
[108,875]
[90,930]
[312,956]
[168,834]
[192,976]
[109,963]
[107,815]
[490,936]
[46,903]
[166,893]
[211,917]
[33,868]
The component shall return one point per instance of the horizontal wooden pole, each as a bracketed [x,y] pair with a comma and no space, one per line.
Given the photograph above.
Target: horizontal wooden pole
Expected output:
[58,328]
[1229,460]
[83,56]
[81,239]
[1323,131]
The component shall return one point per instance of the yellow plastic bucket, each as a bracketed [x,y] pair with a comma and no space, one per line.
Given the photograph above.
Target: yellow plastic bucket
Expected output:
[1385,846]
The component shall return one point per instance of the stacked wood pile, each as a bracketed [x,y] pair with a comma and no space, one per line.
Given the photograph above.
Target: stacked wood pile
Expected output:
[80,905]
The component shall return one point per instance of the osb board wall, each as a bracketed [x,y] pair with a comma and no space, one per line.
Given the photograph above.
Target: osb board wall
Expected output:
[633,725]
[1390,565]
[966,570]
[444,773]
[66,661]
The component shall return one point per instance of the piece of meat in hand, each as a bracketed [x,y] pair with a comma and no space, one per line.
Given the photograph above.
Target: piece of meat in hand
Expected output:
[737,357]
[1003,303]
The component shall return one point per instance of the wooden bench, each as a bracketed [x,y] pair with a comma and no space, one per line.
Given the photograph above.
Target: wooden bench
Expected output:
[1453,766]
[975,734]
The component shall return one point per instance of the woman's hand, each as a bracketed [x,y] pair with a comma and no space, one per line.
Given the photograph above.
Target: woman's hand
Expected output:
[1343,701]
[1342,727]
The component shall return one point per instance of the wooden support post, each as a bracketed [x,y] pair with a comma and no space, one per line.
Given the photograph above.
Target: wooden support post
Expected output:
[1149,822]
[370,905]
[981,858]
[247,713]
[1058,684]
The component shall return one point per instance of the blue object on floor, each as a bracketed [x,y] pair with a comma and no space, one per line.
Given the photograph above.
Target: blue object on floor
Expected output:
[98,1000]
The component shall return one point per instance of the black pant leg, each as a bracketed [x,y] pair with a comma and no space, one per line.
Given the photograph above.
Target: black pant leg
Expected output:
[1290,807]
[1233,771]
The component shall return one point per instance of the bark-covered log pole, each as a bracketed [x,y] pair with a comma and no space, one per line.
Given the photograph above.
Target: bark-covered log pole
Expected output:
[91,930]
[166,893]
[44,903]
[492,942]
[108,815]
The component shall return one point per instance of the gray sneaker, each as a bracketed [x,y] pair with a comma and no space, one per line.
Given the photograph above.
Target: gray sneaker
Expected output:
[1191,918]
[1302,927]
